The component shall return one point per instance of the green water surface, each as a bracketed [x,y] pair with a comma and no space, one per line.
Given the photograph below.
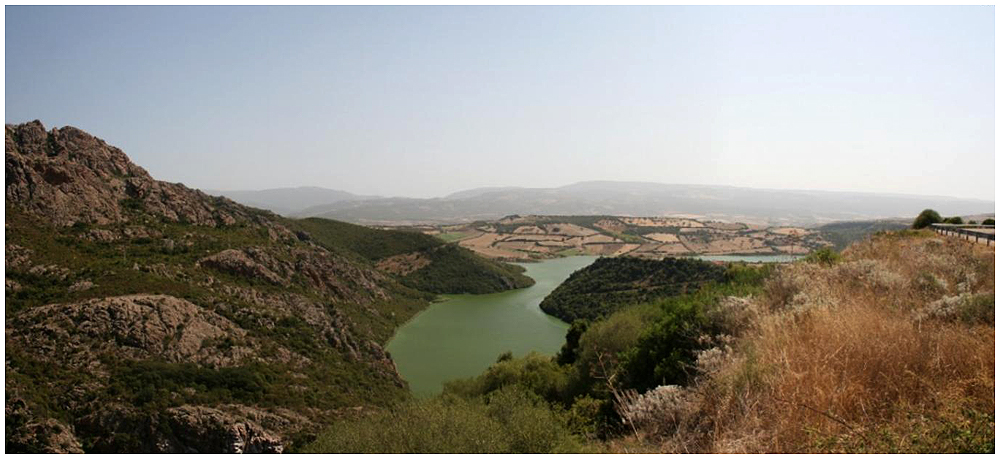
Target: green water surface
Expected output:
[461,336]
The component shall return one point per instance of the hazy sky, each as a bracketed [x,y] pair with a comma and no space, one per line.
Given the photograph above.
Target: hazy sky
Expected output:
[426,101]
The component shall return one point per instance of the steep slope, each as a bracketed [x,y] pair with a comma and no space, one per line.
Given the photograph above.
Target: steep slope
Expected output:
[145,316]
[418,260]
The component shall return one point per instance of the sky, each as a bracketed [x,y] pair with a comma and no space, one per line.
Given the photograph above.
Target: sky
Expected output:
[425,101]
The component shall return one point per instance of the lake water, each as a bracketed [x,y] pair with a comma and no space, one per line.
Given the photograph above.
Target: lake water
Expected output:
[461,336]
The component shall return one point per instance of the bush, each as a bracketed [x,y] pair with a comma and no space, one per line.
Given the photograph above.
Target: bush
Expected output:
[534,372]
[427,426]
[926,218]
[989,221]
[529,424]
[510,420]
[665,352]
[602,344]
[825,256]
[953,220]
[567,355]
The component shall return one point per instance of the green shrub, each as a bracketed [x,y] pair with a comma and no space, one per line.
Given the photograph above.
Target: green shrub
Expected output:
[989,221]
[605,340]
[666,351]
[425,427]
[534,372]
[510,420]
[926,218]
[978,309]
[530,425]
[825,256]
[567,354]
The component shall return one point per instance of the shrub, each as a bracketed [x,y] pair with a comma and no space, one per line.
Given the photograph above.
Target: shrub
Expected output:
[989,221]
[926,218]
[534,372]
[666,351]
[510,420]
[602,343]
[953,220]
[825,256]
[530,426]
[567,354]
[427,426]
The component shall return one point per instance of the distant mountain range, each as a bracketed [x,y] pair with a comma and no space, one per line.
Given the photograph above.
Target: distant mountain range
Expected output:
[751,205]
[288,201]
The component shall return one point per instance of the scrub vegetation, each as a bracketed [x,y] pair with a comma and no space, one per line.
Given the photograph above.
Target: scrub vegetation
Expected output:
[885,347]
[449,268]
[610,283]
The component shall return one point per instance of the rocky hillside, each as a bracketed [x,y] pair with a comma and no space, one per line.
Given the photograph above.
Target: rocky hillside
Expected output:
[146,316]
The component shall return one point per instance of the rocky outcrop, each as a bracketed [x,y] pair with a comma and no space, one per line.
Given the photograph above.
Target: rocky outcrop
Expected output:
[188,429]
[69,176]
[240,263]
[218,431]
[135,327]
[29,433]
[160,319]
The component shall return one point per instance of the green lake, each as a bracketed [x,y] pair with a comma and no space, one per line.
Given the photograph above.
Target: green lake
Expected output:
[461,336]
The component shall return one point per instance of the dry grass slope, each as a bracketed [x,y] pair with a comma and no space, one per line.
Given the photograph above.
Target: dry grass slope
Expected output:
[889,349]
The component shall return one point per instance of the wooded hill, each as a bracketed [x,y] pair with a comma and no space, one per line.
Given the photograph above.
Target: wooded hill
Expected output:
[610,283]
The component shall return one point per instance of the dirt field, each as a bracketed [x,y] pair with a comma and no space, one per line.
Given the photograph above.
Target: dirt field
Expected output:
[789,231]
[568,229]
[662,237]
[534,237]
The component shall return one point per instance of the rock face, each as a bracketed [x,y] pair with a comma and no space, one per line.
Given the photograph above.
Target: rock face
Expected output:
[70,176]
[136,327]
[145,316]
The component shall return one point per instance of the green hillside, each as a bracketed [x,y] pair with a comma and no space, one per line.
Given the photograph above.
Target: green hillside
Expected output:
[609,283]
[449,268]
[145,316]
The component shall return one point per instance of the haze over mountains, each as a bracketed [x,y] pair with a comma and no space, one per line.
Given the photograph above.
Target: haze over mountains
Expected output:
[287,201]
[751,205]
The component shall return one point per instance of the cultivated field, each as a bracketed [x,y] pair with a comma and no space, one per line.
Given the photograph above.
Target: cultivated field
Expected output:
[523,238]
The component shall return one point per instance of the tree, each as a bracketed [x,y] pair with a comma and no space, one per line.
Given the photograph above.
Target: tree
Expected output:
[953,220]
[926,218]
[989,221]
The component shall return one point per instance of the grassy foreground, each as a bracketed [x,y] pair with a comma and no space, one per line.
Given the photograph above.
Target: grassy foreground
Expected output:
[889,348]
[886,347]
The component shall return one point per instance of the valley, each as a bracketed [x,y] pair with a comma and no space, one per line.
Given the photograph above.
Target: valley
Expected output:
[462,335]
[189,323]
[525,238]
[184,322]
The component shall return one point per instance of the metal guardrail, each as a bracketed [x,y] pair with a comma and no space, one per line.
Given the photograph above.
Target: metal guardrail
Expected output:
[969,232]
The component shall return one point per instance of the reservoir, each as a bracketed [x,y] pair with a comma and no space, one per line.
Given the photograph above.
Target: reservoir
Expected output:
[462,335]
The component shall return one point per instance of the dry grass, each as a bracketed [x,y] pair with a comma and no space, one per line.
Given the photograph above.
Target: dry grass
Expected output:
[846,358]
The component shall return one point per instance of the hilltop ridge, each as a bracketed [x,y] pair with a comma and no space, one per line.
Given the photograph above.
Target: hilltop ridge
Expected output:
[185,322]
